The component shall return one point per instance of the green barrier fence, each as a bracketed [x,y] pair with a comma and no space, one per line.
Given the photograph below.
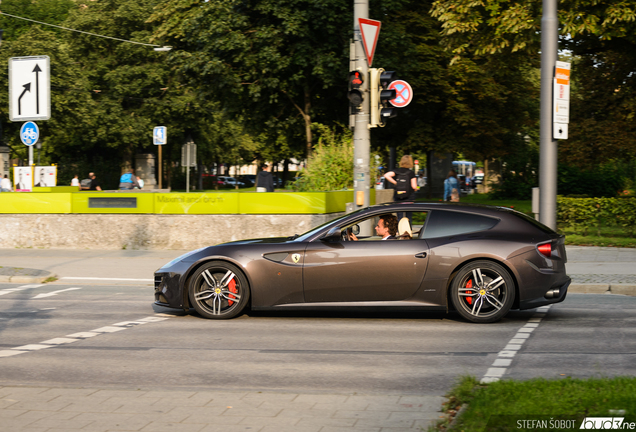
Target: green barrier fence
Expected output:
[60,200]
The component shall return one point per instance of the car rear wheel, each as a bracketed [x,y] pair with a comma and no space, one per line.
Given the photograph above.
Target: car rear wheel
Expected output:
[218,290]
[483,292]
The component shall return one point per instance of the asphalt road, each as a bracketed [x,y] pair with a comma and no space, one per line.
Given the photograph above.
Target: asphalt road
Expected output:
[112,336]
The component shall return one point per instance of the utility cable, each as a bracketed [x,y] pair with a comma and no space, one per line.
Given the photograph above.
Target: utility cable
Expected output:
[80,31]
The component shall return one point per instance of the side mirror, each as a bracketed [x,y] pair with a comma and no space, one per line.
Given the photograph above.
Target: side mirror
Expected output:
[333,234]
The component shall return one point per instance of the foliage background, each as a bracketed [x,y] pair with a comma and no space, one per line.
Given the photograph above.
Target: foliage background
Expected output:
[248,80]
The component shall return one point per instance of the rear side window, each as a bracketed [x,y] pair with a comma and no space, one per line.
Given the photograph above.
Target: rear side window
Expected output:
[445,223]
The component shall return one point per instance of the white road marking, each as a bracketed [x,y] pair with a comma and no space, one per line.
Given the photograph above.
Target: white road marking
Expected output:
[53,293]
[505,356]
[52,343]
[106,279]
[23,287]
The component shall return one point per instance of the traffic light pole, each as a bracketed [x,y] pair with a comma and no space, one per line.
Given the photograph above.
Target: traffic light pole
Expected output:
[361,132]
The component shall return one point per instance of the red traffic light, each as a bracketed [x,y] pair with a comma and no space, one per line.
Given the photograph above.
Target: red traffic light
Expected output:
[355,80]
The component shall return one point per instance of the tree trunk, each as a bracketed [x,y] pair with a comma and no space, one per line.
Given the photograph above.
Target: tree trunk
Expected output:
[308,121]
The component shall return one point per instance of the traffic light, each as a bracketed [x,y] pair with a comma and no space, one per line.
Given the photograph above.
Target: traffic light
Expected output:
[355,94]
[379,80]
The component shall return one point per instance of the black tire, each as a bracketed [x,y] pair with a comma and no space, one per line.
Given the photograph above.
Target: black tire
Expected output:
[214,289]
[483,292]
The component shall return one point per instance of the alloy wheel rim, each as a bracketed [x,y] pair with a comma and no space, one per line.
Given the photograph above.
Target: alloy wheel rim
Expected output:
[483,292]
[218,290]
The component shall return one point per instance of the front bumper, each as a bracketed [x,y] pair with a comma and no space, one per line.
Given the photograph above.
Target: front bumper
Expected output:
[168,291]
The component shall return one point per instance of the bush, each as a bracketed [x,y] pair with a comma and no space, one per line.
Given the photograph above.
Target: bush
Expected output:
[585,213]
[602,181]
[331,165]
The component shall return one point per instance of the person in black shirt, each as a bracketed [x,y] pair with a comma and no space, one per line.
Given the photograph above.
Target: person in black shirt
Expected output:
[404,182]
[95,185]
[265,180]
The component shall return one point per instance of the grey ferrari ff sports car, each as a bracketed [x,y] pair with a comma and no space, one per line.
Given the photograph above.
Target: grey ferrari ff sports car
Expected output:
[481,261]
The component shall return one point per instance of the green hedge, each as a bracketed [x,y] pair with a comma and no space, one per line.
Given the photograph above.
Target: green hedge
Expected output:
[586,213]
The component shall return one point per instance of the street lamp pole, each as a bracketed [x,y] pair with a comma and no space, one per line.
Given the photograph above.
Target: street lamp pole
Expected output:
[548,157]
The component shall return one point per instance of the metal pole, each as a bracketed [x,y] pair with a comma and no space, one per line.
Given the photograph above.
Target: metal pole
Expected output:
[361,134]
[160,167]
[187,168]
[548,147]
[30,155]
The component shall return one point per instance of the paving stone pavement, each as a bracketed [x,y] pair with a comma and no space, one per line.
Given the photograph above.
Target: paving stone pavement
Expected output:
[31,409]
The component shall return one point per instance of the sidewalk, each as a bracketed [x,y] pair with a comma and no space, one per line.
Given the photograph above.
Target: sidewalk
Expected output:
[97,410]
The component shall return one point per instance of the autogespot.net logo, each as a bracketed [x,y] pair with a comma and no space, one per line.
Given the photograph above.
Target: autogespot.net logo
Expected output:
[607,423]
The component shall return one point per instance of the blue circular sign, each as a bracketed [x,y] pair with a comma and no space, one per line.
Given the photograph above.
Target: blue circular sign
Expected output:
[29,133]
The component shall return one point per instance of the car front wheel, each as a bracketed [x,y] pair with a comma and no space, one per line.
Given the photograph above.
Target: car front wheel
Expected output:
[218,290]
[483,292]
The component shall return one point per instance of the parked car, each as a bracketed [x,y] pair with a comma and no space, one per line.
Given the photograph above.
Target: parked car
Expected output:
[481,261]
[229,182]
[464,183]
[477,179]
[248,179]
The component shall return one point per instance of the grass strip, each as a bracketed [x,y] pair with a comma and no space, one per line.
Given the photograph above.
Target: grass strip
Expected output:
[529,405]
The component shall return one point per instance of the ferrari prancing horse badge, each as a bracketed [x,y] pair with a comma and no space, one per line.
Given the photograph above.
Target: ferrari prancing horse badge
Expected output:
[295,258]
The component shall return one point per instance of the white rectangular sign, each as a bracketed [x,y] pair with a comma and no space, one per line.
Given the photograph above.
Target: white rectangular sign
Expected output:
[22,179]
[561,101]
[29,88]
[45,176]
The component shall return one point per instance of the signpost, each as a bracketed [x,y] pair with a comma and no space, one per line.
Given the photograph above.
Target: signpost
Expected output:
[370,30]
[403,93]
[29,134]
[561,101]
[29,88]
[188,159]
[160,138]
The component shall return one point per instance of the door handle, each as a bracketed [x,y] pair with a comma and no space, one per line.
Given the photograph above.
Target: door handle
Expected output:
[420,255]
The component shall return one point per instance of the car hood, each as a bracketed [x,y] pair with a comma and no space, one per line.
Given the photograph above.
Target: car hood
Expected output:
[256,241]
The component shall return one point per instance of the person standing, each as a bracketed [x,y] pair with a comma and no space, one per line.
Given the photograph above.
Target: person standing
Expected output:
[404,183]
[75,181]
[264,180]
[451,187]
[5,184]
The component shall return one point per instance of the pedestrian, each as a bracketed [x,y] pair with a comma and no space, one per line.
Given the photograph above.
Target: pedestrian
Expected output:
[75,181]
[404,184]
[264,180]
[128,180]
[95,184]
[451,187]
[5,184]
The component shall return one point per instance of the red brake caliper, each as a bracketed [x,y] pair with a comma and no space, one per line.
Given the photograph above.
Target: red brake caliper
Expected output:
[468,285]
[232,288]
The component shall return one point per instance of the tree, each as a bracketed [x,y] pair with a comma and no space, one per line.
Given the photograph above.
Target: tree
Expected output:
[271,62]
[601,35]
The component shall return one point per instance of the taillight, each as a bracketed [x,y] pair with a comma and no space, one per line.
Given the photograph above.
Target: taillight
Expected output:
[545,249]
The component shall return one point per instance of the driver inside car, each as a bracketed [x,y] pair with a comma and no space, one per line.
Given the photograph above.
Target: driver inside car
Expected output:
[386,228]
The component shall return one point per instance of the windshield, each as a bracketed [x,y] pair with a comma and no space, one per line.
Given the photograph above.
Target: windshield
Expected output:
[306,236]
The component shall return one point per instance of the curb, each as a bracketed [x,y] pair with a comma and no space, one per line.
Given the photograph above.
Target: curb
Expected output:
[622,289]
[22,276]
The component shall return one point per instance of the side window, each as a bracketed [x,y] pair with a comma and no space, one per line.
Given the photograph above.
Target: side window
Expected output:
[447,223]
[410,224]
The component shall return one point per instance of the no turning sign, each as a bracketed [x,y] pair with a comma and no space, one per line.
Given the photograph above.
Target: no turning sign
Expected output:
[29,88]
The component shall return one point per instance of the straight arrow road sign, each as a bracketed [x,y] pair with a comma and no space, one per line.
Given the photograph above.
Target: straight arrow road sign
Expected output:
[29,88]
